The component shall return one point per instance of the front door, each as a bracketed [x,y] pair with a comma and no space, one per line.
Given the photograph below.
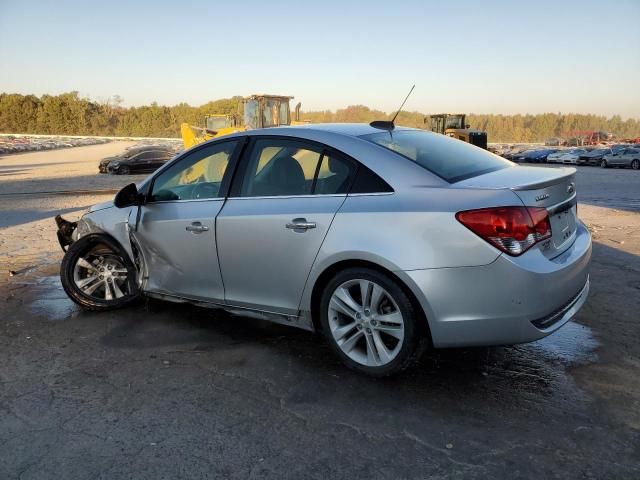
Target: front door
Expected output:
[177,227]
[282,204]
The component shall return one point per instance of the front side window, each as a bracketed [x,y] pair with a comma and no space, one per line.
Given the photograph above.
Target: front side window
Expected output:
[279,167]
[196,176]
[451,160]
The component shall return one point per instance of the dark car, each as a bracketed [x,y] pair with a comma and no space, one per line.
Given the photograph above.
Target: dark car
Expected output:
[535,156]
[142,162]
[103,167]
[593,157]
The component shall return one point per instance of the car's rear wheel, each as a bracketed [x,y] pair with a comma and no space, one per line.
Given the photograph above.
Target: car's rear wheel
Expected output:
[635,164]
[97,274]
[604,164]
[370,322]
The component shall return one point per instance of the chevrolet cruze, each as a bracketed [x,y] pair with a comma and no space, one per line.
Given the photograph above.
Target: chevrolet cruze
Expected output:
[386,239]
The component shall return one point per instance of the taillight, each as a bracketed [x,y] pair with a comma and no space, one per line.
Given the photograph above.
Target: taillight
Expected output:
[513,230]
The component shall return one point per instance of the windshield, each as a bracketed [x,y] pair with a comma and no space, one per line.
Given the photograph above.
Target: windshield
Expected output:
[251,118]
[453,160]
[455,121]
[216,123]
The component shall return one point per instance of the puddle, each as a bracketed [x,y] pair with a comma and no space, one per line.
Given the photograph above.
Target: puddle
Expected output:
[572,343]
[51,301]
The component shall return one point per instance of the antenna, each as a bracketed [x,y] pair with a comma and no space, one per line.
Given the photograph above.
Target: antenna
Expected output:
[389,125]
[405,101]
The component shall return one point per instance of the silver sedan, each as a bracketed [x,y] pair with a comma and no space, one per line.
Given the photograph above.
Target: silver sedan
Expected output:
[387,240]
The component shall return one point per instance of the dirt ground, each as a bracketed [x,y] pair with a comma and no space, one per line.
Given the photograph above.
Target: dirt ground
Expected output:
[164,391]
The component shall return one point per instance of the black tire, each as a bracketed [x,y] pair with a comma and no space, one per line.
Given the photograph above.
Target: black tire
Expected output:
[635,164]
[101,246]
[415,337]
[124,170]
[604,164]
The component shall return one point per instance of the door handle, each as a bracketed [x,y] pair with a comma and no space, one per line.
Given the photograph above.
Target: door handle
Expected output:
[300,224]
[196,227]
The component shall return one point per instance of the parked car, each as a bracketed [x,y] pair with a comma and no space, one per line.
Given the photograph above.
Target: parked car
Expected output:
[569,156]
[535,156]
[628,157]
[593,157]
[514,151]
[386,240]
[143,162]
[555,157]
[145,159]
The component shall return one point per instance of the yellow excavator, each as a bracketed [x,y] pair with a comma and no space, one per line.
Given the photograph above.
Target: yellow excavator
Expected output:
[453,125]
[259,111]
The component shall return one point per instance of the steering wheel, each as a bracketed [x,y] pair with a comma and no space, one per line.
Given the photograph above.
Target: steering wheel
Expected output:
[204,190]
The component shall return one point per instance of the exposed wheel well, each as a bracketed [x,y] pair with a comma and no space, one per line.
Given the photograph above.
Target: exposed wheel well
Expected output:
[325,276]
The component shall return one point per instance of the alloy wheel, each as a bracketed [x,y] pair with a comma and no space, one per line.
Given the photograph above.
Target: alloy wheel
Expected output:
[366,323]
[102,277]
[635,164]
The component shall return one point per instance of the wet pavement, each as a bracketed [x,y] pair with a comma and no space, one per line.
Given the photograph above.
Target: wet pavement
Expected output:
[161,390]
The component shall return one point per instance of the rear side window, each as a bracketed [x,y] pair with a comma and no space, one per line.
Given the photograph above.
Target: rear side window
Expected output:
[453,160]
[283,167]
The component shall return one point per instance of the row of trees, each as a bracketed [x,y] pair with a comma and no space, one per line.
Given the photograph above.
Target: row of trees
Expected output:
[70,114]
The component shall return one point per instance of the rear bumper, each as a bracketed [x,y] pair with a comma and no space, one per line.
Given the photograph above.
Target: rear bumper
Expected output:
[512,300]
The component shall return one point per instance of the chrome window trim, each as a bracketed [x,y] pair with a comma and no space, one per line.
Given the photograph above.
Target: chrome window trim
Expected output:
[290,196]
[325,195]
[216,199]
[371,194]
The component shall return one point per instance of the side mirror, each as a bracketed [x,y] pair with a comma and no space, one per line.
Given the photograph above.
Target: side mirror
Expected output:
[127,196]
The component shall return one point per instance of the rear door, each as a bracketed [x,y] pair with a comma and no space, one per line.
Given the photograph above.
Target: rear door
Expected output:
[282,203]
[156,159]
[618,157]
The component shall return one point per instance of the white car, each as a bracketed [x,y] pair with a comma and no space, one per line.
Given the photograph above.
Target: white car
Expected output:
[555,157]
[566,156]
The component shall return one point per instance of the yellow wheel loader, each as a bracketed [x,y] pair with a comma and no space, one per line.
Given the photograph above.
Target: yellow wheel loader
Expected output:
[259,111]
[216,125]
[453,125]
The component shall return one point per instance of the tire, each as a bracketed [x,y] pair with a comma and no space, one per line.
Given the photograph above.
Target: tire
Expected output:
[124,170]
[635,164]
[97,256]
[604,164]
[352,332]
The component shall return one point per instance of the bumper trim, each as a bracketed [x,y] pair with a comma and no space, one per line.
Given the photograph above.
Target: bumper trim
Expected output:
[557,315]
[65,231]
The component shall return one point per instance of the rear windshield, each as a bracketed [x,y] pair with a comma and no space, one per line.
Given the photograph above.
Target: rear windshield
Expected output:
[451,159]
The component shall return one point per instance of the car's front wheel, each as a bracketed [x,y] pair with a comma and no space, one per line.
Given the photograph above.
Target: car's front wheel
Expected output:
[124,170]
[604,164]
[97,274]
[370,322]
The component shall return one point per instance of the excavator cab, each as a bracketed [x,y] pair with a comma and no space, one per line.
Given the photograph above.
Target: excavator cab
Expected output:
[215,122]
[264,111]
[453,125]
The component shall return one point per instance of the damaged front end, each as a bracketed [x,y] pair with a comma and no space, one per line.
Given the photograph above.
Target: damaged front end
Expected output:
[65,233]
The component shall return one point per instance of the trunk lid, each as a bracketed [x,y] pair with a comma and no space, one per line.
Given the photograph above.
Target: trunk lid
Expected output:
[551,188]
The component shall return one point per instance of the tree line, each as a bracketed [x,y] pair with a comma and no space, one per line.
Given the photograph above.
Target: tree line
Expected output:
[70,114]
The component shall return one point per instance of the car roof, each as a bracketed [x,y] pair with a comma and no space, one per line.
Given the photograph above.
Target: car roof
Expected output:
[348,129]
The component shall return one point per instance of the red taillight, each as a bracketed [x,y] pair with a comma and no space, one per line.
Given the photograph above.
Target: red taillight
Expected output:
[513,230]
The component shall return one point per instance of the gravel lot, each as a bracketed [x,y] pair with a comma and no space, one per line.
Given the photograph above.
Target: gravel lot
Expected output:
[165,391]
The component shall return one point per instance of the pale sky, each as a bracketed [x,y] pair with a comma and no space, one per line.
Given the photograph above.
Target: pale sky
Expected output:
[471,56]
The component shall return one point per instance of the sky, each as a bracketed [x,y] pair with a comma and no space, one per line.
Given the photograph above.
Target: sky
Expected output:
[470,56]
